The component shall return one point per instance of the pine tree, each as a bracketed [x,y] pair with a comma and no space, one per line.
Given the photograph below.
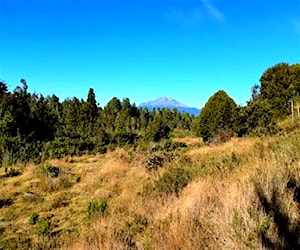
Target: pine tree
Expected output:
[217,115]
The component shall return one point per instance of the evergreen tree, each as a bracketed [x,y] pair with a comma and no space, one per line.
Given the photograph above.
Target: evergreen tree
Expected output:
[92,108]
[110,112]
[3,89]
[157,128]
[277,88]
[218,114]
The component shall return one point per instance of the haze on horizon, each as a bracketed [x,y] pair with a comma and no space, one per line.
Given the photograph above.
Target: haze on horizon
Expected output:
[184,49]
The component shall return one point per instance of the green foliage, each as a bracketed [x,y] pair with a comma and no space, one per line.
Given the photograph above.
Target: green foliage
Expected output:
[51,170]
[36,128]
[270,101]
[255,119]
[218,114]
[44,226]
[154,162]
[158,128]
[173,180]
[97,207]
[34,218]
[278,87]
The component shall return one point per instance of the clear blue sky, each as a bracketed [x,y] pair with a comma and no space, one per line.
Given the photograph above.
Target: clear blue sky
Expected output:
[145,49]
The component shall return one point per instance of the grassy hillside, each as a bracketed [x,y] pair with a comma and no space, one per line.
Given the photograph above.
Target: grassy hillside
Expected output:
[181,195]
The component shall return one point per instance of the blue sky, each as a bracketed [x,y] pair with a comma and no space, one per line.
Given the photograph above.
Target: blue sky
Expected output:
[145,49]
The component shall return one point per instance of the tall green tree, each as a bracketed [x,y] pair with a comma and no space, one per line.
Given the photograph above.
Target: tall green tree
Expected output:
[218,114]
[277,88]
[110,112]
[158,128]
[91,103]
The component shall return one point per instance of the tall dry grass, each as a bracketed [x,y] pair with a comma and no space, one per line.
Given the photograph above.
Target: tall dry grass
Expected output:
[222,207]
[243,194]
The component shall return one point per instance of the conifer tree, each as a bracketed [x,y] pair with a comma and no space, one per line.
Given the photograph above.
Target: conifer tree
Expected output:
[218,114]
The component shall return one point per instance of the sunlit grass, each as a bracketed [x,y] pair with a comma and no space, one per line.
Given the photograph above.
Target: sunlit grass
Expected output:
[220,206]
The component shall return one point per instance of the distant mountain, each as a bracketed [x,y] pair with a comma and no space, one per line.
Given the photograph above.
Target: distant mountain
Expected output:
[166,102]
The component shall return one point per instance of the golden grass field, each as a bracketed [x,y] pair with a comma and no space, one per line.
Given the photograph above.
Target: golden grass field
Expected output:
[243,194]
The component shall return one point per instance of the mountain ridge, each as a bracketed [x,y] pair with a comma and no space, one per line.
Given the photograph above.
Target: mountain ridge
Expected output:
[170,103]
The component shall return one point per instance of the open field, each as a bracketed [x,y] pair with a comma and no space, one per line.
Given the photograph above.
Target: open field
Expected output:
[244,194]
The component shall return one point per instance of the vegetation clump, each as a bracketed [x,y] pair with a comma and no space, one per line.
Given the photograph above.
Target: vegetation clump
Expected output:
[97,207]
[217,115]
[154,162]
[34,218]
[51,170]
[173,180]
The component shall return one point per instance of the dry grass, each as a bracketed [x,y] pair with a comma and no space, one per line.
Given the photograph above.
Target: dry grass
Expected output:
[189,140]
[224,206]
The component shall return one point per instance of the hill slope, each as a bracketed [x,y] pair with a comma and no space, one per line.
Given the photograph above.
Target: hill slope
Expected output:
[222,197]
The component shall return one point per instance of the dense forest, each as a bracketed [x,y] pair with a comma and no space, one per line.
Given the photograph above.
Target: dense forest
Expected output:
[36,128]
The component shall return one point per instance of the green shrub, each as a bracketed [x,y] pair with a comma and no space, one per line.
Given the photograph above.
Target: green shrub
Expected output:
[101,149]
[51,170]
[34,218]
[154,162]
[97,207]
[44,226]
[173,180]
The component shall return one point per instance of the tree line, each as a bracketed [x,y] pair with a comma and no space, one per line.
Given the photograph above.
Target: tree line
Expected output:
[34,127]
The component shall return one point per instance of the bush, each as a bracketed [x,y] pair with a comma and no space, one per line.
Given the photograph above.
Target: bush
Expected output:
[154,162]
[218,114]
[33,219]
[44,226]
[52,170]
[101,149]
[97,207]
[173,180]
